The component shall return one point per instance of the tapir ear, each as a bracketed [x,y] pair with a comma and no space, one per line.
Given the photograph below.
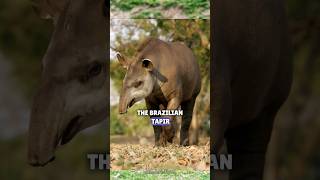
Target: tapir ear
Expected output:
[147,63]
[122,60]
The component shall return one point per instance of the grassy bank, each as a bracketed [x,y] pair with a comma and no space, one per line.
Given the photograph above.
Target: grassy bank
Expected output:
[155,175]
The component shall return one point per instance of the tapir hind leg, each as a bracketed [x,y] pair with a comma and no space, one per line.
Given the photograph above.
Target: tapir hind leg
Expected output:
[248,145]
[187,108]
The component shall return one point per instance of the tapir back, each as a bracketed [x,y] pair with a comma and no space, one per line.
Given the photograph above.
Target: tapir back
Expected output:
[177,63]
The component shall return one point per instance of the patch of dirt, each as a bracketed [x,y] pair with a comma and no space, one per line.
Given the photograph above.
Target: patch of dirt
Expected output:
[148,157]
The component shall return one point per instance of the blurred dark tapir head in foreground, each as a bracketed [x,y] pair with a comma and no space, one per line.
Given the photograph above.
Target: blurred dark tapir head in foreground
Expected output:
[72,94]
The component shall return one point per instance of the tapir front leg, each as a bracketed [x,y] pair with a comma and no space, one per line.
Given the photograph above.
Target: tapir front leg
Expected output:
[168,132]
[156,129]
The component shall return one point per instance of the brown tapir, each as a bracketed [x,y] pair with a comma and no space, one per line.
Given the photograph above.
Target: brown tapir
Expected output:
[252,72]
[165,75]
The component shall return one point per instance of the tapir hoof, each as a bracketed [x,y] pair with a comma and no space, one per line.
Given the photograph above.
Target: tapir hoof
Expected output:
[161,142]
[169,133]
[184,142]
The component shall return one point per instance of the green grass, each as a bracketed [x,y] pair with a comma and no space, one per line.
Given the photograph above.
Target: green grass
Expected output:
[192,8]
[148,14]
[130,4]
[189,6]
[164,174]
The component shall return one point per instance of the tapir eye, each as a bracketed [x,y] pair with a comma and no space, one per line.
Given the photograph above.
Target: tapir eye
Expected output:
[94,69]
[138,84]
